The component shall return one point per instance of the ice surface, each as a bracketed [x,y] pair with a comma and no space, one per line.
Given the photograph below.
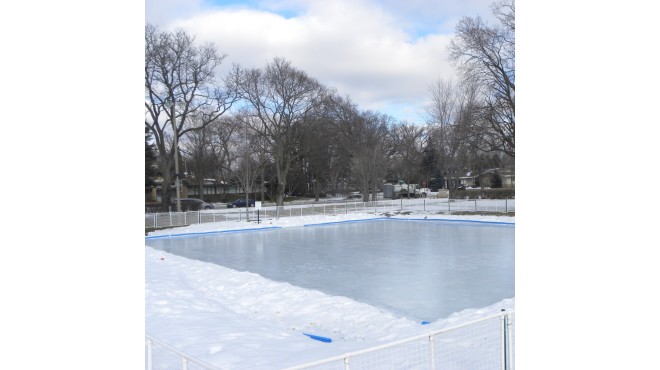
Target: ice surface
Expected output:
[416,269]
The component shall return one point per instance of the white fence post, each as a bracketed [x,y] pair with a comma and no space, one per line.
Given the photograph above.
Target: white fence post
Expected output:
[432,351]
[508,341]
[149,355]
[505,346]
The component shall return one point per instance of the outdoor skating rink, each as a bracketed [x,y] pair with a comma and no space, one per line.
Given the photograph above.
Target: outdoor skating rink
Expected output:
[418,269]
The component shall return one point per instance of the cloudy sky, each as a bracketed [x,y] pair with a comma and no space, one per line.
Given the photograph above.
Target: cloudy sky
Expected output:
[384,54]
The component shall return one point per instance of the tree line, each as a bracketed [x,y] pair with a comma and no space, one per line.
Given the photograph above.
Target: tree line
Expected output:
[278,125]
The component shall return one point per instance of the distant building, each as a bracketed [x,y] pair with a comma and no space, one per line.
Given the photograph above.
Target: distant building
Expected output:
[485,178]
[211,189]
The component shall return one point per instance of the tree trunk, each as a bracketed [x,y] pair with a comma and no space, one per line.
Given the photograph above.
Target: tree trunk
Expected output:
[279,195]
[374,190]
[247,205]
[263,183]
[316,189]
[167,189]
[200,187]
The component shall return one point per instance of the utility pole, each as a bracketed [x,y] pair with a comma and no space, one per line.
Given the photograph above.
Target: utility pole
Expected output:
[247,174]
[176,158]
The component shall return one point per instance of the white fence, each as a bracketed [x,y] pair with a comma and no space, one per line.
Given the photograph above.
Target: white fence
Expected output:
[172,219]
[484,344]
[168,357]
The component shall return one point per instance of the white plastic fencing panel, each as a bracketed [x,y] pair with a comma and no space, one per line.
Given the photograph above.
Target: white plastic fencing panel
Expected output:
[405,356]
[477,346]
[335,365]
[163,357]
[172,219]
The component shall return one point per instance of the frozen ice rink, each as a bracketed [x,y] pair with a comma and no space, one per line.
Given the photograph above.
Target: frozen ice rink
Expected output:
[423,270]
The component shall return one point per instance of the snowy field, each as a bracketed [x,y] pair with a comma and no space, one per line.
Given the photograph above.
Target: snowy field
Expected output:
[240,320]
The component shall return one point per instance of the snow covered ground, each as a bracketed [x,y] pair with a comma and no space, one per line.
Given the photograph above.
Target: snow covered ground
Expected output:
[240,320]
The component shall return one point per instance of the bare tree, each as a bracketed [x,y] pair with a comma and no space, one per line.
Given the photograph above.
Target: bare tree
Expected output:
[319,142]
[223,134]
[282,99]
[452,118]
[342,113]
[179,86]
[442,138]
[150,166]
[442,117]
[207,151]
[364,138]
[486,56]
[247,166]
[380,148]
[201,155]
[408,144]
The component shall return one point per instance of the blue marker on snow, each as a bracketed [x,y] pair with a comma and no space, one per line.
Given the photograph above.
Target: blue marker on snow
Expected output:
[319,338]
[425,322]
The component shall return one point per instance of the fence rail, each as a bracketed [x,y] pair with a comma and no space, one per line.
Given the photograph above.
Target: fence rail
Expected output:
[168,355]
[483,344]
[173,219]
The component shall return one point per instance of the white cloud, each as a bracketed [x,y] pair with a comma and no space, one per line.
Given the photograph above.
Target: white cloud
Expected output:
[357,47]
[162,12]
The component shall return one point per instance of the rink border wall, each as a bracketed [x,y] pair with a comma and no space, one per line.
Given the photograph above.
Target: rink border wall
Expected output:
[413,219]
[330,224]
[454,220]
[212,232]
[346,221]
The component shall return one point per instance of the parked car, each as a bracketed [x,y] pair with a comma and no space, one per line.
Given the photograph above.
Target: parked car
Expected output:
[192,204]
[240,203]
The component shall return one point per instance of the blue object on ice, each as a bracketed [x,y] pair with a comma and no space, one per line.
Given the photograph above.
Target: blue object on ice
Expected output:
[425,322]
[319,338]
